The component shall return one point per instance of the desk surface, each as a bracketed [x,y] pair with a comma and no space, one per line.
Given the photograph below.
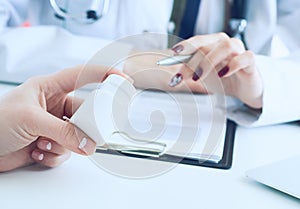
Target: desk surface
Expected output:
[81,184]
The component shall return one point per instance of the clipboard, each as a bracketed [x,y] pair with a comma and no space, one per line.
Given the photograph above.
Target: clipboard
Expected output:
[224,163]
[114,97]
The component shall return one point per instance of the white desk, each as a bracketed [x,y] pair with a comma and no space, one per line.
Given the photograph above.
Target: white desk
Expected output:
[80,184]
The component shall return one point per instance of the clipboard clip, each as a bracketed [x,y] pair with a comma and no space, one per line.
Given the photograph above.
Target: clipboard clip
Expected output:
[156,150]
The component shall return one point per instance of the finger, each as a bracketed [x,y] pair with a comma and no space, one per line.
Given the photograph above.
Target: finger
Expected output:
[70,79]
[49,159]
[62,132]
[190,45]
[244,62]
[187,70]
[49,145]
[220,55]
[191,69]
[71,105]
[214,56]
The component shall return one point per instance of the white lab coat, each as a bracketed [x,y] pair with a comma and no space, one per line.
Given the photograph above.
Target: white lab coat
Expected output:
[51,45]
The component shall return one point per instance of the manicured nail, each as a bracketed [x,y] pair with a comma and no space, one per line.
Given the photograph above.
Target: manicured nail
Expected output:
[37,155]
[41,157]
[197,74]
[177,48]
[87,145]
[49,146]
[223,72]
[83,143]
[175,80]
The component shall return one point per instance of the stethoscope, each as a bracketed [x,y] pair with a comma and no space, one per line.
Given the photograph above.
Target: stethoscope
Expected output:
[236,24]
[236,21]
[97,10]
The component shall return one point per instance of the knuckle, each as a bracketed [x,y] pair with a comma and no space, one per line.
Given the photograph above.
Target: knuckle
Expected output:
[36,83]
[35,80]
[204,50]
[223,35]
[228,43]
[251,57]
[196,38]
[250,54]
[234,63]
[233,45]
[32,80]
[194,41]
[238,42]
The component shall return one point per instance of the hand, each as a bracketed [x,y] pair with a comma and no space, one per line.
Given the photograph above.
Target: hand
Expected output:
[142,68]
[227,56]
[232,63]
[31,125]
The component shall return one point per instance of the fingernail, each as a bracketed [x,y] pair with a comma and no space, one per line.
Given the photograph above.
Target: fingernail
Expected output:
[175,80]
[49,146]
[83,143]
[177,48]
[37,155]
[41,157]
[197,74]
[87,145]
[223,72]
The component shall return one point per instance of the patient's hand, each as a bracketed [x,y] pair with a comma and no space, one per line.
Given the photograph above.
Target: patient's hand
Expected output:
[31,125]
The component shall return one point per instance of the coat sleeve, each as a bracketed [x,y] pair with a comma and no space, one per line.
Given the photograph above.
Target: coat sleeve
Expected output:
[281,76]
[288,14]
[281,97]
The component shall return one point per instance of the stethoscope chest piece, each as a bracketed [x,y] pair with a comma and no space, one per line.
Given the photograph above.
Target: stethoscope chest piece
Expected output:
[84,12]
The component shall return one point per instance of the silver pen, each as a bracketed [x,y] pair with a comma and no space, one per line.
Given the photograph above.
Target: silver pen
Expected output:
[174,60]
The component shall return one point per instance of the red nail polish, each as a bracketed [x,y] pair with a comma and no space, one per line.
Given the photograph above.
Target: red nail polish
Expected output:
[223,72]
[177,49]
[197,74]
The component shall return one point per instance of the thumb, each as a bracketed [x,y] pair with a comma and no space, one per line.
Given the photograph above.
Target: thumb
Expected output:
[64,133]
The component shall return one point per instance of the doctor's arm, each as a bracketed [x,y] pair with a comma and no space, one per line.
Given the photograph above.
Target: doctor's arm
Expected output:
[210,53]
[31,123]
[280,98]
[265,89]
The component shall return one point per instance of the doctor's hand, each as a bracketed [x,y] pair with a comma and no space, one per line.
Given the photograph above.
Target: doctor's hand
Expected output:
[31,125]
[215,52]
[227,56]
